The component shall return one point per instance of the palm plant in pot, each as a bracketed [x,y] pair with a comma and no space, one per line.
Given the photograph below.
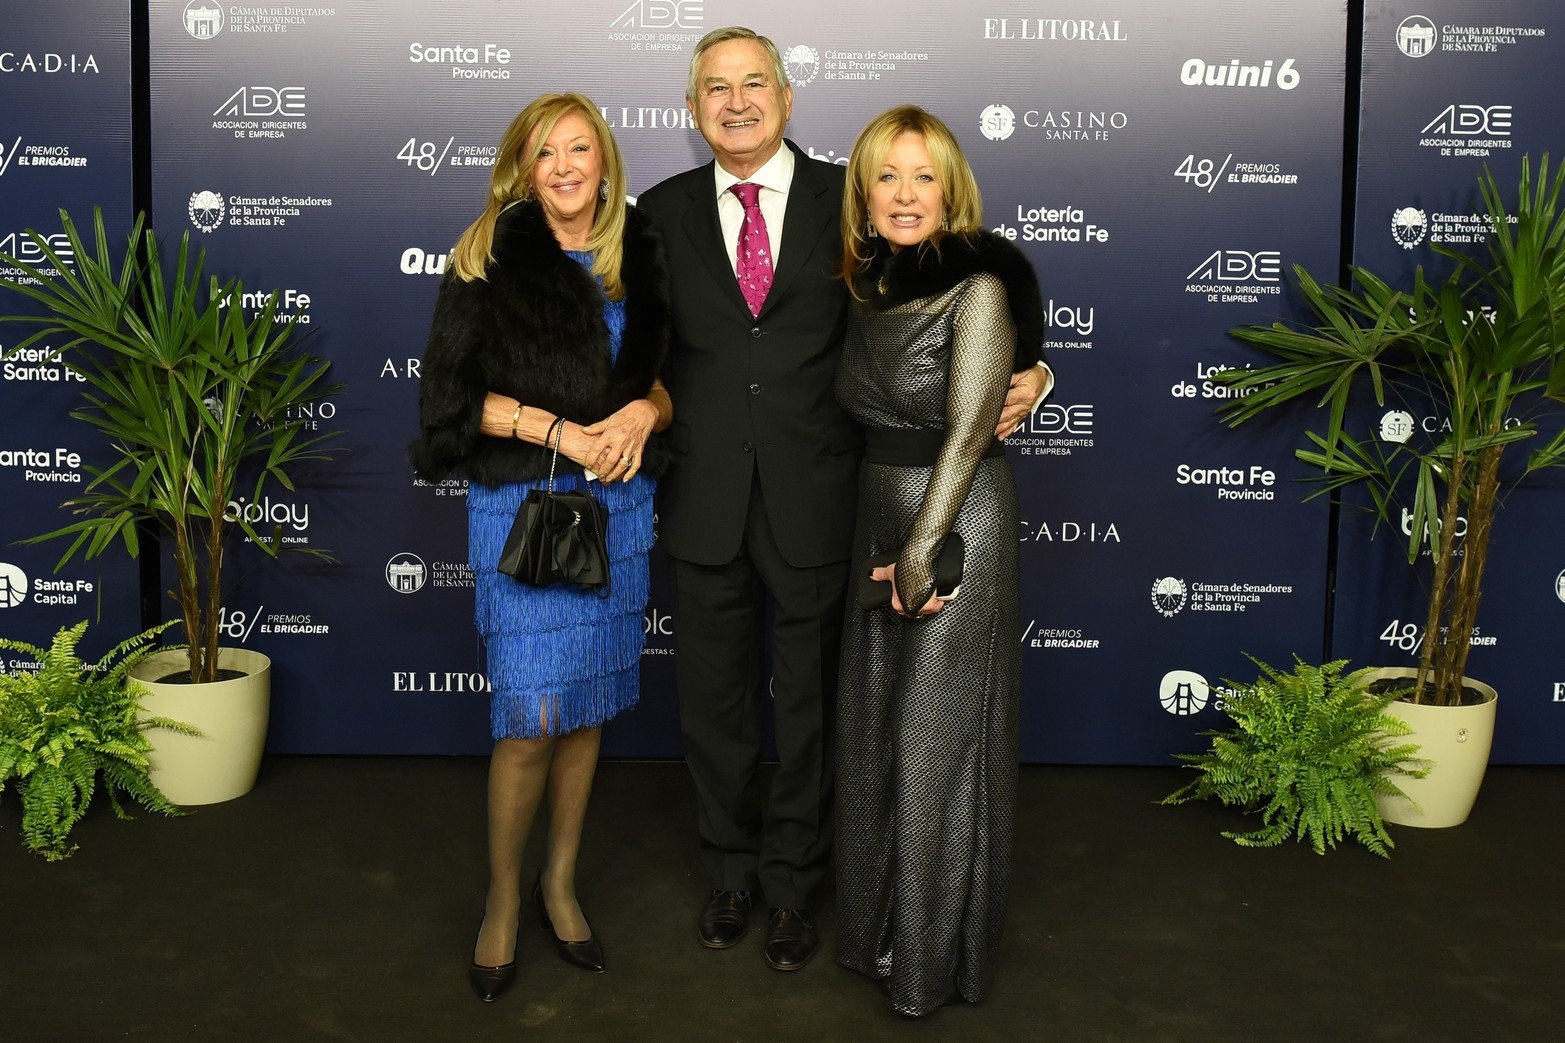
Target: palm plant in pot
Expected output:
[198,404]
[1485,346]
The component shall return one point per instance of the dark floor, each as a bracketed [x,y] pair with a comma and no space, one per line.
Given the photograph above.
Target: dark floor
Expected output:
[339,901]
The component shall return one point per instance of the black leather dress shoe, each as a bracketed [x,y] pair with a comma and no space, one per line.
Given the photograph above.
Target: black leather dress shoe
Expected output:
[489,982]
[587,955]
[790,939]
[724,919]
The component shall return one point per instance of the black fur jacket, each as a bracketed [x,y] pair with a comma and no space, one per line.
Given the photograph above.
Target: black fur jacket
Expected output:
[906,275]
[534,331]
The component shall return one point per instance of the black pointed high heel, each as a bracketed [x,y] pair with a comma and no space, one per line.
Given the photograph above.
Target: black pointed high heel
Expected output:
[490,982]
[587,955]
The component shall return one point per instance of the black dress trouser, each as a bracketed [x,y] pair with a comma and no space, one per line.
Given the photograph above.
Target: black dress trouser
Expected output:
[719,634]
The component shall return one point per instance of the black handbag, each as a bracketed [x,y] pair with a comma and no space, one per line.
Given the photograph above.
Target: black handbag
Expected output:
[558,537]
[876,593]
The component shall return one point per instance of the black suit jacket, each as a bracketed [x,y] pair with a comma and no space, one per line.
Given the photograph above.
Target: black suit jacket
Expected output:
[754,396]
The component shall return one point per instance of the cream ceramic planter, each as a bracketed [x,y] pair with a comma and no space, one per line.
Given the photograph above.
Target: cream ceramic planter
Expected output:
[221,763]
[1457,740]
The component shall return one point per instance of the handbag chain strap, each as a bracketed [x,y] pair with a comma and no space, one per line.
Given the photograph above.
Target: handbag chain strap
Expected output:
[557,429]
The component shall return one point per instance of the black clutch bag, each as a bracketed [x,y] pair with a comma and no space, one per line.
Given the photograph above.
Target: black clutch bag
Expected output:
[876,593]
[558,538]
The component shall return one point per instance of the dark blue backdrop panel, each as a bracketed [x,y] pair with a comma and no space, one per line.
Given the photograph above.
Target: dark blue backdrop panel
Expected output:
[65,111]
[1161,163]
[1449,88]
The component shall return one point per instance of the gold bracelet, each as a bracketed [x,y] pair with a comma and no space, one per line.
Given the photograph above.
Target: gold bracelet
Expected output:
[516,418]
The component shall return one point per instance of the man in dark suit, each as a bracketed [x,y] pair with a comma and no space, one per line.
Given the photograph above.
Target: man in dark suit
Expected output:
[759,502]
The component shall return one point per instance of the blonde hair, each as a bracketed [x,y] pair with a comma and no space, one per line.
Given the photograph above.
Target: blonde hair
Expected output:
[724,35]
[960,198]
[520,147]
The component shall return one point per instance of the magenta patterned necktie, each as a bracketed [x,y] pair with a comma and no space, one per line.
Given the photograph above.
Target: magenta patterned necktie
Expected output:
[754,256]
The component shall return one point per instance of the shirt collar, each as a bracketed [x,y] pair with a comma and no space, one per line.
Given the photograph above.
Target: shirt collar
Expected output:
[776,173]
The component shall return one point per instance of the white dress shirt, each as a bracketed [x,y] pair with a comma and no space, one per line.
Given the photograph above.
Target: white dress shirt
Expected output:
[774,177]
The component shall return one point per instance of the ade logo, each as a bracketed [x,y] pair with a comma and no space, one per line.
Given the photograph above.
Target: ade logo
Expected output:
[264,101]
[662,14]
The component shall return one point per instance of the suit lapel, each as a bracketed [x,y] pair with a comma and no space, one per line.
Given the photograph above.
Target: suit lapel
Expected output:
[706,235]
[809,212]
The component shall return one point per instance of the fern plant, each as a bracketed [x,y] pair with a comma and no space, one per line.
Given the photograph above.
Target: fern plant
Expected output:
[1310,751]
[69,723]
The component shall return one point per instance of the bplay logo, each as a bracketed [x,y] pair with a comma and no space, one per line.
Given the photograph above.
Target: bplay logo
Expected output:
[203,19]
[206,209]
[658,626]
[802,63]
[1417,36]
[406,573]
[997,122]
[1066,319]
[1184,693]
[13,585]
[268,512]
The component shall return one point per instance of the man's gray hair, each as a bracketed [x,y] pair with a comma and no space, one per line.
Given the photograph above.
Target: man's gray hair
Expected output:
[723,35]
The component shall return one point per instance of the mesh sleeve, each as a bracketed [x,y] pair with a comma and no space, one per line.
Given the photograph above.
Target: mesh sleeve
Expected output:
[983,348]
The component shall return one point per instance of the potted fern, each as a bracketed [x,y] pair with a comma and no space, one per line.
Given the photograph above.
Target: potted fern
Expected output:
[1484,347]
[1311,752]
[198,405]
[69,726]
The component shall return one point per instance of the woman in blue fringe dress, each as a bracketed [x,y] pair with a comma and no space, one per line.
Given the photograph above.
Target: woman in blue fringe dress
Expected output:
[553,319]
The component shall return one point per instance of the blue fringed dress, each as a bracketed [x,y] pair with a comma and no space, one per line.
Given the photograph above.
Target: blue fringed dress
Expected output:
[560,658]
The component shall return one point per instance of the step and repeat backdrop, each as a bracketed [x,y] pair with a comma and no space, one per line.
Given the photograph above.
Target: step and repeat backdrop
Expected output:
[1162,162]
[1450,87]
[65,142]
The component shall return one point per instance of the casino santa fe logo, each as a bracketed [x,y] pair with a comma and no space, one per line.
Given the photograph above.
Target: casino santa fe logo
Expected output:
[997,122]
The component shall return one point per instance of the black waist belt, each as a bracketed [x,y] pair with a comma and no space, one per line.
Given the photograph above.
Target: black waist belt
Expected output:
[903,447]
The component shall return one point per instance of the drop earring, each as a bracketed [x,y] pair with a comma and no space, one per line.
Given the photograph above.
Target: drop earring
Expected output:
[603,189]
[869,230]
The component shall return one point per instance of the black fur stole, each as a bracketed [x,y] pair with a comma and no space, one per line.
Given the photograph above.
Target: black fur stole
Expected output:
[894,278]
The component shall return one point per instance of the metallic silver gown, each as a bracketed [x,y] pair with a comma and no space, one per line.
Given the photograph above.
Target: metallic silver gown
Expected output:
[928,710]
